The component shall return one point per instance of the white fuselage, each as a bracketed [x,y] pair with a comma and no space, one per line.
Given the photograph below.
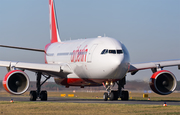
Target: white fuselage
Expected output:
[96,59]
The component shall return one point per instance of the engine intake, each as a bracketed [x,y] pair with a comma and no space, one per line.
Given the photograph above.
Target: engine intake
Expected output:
[163,82]
[16,82]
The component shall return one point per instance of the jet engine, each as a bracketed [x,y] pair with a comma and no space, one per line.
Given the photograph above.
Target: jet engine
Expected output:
[163,82]
[16,82]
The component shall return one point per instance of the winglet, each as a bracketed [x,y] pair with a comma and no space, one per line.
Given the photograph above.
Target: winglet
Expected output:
[54,33]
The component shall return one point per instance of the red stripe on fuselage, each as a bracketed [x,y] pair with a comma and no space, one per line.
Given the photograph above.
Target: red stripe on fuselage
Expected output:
[82,82]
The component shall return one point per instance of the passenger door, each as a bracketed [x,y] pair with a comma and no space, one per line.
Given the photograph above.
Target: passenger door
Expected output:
[90,53]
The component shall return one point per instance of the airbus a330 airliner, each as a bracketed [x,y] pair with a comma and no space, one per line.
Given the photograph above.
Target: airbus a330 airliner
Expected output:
[86,62]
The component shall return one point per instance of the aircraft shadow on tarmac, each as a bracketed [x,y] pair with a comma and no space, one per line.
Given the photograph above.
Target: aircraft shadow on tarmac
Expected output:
[77,100]
[101,100]
[154,100]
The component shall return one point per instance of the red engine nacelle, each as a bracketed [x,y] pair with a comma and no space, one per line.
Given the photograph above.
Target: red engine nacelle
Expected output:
[16,82]
[163,82]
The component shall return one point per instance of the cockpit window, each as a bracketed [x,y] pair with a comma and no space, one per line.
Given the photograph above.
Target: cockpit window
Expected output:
[119,51]
[105,51]
[112,51]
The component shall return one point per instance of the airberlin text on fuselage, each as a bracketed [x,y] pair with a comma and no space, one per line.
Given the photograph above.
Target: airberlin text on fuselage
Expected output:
[79,55]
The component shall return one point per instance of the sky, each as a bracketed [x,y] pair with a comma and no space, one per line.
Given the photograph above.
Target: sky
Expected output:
[150,29]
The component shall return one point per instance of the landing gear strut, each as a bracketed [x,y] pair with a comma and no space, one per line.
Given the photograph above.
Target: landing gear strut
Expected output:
[38,93]
[113,94]
[124,95]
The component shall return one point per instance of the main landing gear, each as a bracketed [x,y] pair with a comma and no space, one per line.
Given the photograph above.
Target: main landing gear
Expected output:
[115,94]
[38,93]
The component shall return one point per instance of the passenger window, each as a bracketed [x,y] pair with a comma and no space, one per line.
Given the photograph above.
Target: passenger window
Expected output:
[119,51]
[112,51]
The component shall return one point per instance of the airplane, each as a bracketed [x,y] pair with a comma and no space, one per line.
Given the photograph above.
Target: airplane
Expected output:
[101,61]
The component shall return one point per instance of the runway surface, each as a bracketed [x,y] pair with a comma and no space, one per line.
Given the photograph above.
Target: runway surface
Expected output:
[74,100]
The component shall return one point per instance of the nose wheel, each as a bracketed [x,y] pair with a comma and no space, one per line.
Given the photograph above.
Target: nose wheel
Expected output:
[105,96]
[115,94]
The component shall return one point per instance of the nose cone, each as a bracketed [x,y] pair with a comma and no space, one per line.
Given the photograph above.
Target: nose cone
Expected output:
[115,62]
[118,67]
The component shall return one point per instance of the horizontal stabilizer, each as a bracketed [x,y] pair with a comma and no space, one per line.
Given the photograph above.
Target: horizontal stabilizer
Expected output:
[31,49]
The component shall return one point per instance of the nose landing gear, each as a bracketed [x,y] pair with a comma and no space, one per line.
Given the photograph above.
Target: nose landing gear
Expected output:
[109,94]
[115,94]
[112,95]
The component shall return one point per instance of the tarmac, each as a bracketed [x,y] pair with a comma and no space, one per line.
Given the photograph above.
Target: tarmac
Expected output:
[75,100]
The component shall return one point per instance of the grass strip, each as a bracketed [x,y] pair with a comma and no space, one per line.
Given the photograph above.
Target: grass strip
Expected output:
[84,108]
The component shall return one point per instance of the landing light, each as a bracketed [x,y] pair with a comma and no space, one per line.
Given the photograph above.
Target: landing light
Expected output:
[107,83]
[111,83]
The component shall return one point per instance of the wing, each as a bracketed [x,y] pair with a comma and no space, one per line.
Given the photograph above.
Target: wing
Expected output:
[154,66]
[51,69]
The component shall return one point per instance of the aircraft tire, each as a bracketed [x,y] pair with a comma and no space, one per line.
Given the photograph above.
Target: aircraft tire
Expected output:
[111,96]
[43,95]
[33,95]
[115,94]
[105,96]
[125,95]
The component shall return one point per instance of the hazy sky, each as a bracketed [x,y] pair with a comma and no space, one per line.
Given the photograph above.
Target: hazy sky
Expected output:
[150,29]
